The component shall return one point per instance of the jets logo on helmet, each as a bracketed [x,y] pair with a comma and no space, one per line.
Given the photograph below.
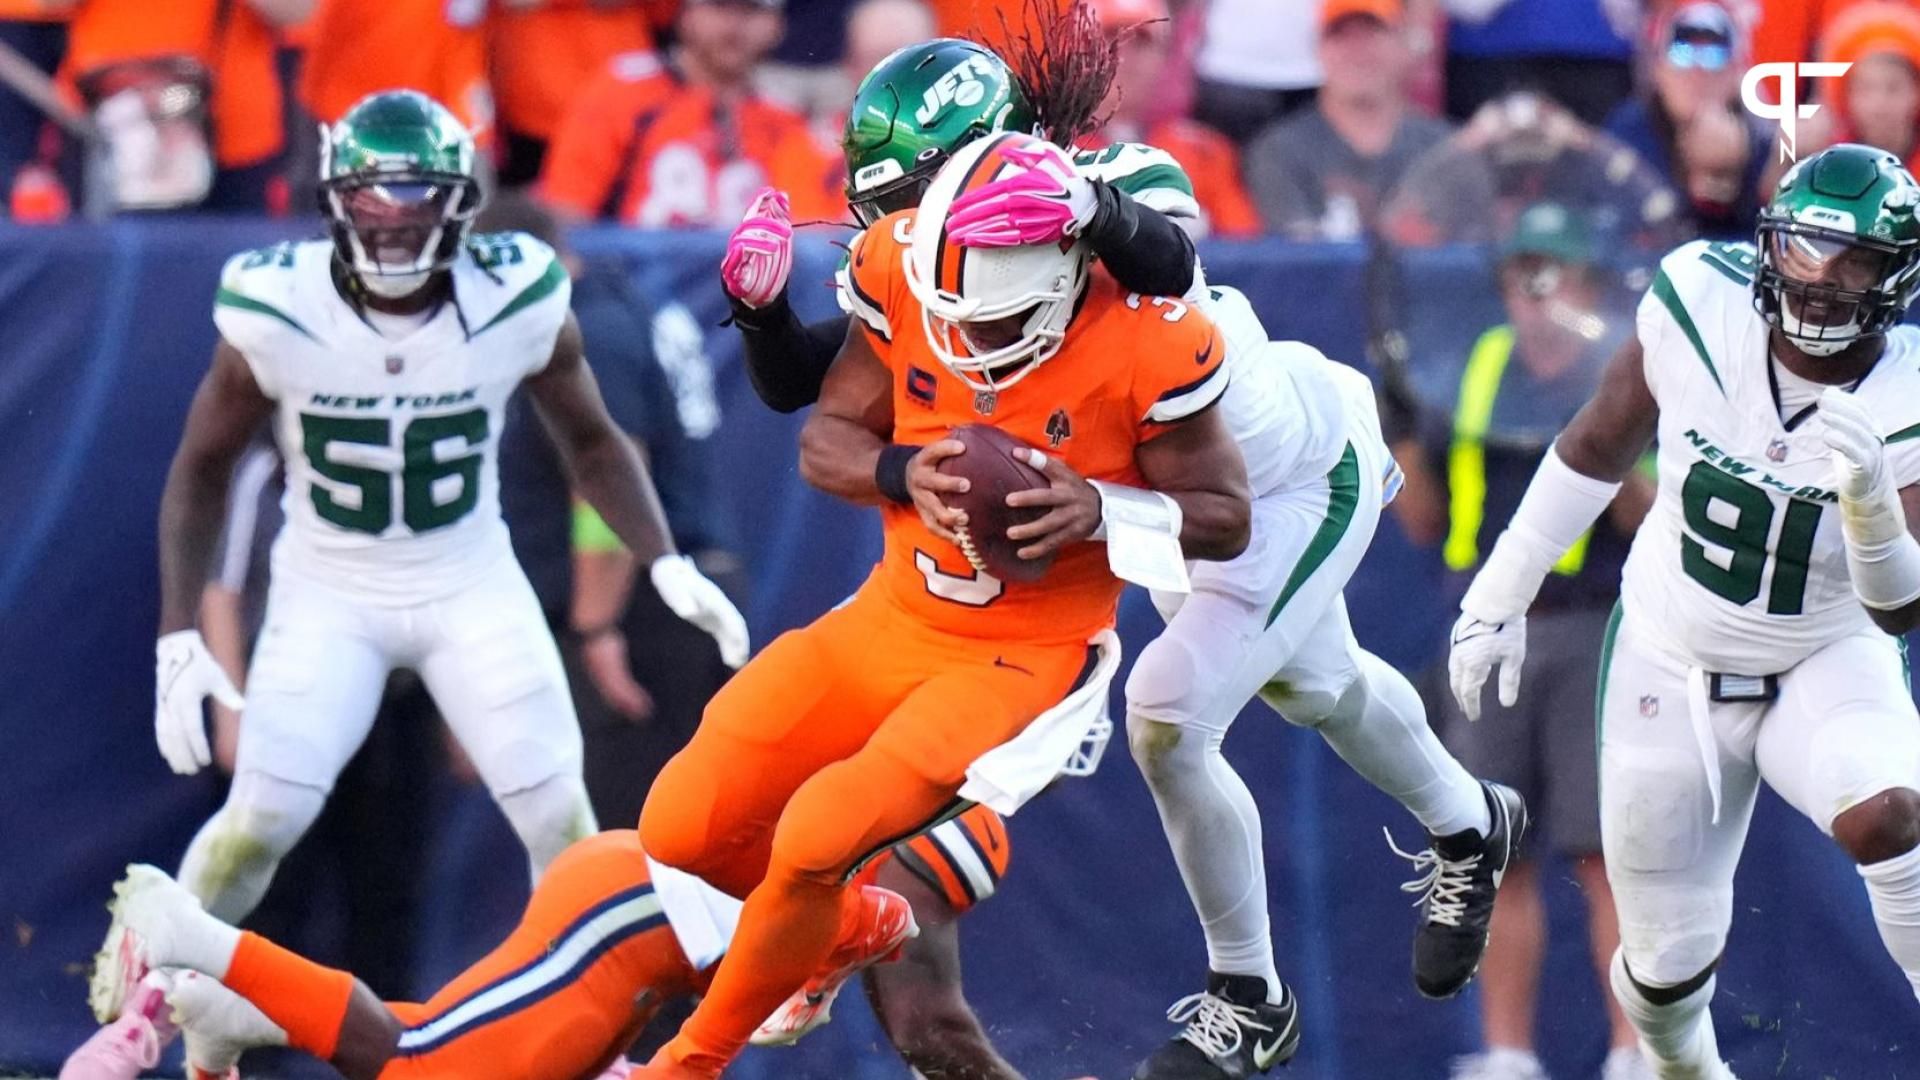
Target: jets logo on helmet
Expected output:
[992,315]
[1839,248]
[914,110]
[398,188]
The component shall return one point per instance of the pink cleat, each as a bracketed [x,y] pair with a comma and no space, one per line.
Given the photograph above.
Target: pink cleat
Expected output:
[132,1041]
[883,924]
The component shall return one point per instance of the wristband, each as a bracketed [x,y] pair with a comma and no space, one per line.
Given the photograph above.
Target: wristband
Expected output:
[593,633]
[890,472]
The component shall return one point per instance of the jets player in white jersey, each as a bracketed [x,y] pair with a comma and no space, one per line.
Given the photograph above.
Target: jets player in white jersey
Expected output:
[1271,622]
[384,358]
[1753,638]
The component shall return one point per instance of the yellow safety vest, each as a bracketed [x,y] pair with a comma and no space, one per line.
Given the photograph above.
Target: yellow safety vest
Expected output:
[1467,455]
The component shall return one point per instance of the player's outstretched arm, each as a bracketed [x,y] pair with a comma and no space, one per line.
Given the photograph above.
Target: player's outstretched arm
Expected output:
[603,463]
[787,360]
[1577,481]
[1608,435]
[227,409]
[919,999]
[607,472]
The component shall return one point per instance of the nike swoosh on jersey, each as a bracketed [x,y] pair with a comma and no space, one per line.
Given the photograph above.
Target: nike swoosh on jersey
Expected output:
[1001,661]
[1200,358]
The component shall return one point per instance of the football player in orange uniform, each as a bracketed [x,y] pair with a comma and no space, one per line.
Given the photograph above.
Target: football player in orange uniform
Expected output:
[604,941]
[872,723]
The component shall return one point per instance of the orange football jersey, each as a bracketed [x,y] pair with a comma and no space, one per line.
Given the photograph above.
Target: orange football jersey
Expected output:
[642,147]
[1129,367]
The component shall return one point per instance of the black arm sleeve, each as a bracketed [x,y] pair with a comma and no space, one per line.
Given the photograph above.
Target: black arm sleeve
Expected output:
[1144,249]
[787,360]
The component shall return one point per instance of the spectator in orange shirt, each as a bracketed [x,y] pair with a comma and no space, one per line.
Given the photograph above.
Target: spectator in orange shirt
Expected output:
[685,142]
[1211,162]
[129,51]
[543,52]
[988,21]
[438,47]
[1879,99]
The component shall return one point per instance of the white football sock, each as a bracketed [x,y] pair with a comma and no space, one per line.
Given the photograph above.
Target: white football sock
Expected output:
[1678,1037]
[1214,828]
[232,859]
[1379,728]
[1894,888]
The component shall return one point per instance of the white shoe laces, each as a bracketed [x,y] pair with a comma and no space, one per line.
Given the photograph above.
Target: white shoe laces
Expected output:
[1214,1024]
[1442,884]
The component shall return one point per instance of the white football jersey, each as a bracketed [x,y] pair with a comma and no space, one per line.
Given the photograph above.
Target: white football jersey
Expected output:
[393,486]
[1741,566]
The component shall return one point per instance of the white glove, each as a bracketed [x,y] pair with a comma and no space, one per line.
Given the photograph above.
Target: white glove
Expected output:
[1859,453]
[692,597]
[1476,647]
[184,673]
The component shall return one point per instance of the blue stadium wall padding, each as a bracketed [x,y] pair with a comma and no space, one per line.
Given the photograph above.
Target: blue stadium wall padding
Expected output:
[106,332]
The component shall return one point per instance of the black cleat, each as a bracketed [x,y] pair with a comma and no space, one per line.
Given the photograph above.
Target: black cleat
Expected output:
[1231,1033]
[1459,878]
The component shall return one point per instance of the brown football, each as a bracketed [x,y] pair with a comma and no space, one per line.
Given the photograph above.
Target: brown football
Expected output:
[993,471]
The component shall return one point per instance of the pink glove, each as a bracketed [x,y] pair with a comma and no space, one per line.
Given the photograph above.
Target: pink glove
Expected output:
[1042,204]
[760,251]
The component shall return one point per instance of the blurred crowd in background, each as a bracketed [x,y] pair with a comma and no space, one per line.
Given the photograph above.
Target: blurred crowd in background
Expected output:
[1292,116]
[1394,122]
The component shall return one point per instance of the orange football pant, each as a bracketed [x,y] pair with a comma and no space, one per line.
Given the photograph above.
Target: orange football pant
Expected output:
[591,960]
[836,742]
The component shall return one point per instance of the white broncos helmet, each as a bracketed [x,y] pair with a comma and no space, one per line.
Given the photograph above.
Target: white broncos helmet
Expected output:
[959,286]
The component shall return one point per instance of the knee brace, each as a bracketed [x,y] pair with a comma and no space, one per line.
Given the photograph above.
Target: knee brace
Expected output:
[549,816]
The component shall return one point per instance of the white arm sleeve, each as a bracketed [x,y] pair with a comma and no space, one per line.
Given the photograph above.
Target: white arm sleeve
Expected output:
[1559,507]
[1883,559]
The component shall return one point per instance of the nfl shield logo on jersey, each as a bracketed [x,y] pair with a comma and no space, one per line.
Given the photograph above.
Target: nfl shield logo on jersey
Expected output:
[1777,451]
[395,365]
[1649,705]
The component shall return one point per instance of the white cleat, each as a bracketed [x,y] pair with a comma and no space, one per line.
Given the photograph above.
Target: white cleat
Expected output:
[127,954]
[219,1024]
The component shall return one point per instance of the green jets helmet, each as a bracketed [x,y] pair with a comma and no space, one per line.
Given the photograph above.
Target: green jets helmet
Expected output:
[1839,248]
[917,107]
[397,186]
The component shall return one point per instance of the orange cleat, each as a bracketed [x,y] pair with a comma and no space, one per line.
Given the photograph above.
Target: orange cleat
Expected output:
[881,925]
